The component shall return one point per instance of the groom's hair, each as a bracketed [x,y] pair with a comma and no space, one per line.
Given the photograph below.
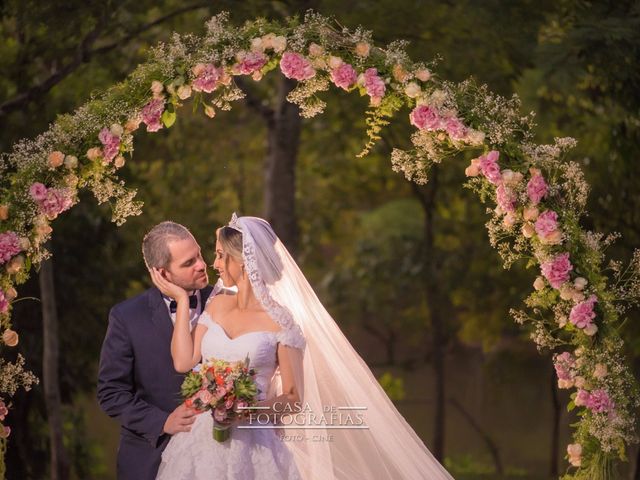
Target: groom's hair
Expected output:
[155,244]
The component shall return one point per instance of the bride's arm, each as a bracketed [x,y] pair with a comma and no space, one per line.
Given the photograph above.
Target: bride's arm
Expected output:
[185,346]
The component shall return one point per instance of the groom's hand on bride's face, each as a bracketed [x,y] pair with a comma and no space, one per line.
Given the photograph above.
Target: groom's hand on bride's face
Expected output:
[180,420]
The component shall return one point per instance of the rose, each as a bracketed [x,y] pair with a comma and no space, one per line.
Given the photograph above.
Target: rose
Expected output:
[510,219]
[528,230]
[455,128]
[423,74]
[538,284]
[119,161]
[574,450]
[547,228]
[489,167]
[207,77]
[4,431]
[15,265]
[55,159]
[4,212]
[344,76]
[116,130]
[473,170]
[582,314]
[600,371]
[220,414]
[151,114]
[38,191]
[511,178]
[505,198]
[399,73]
[536,188]
[184,92]
[10,338]
[249,62]
[296,66]
[3,411]
[204,396]
[315,50]
[334,62]
[110,142]
[257,44]
[279,43]
[475,137]
[425,117]
[556,270]
[530,214]
[580,283]
[157,88]
[70,162]
[582,397]
[9,246]
[412,90]
[94,153]
[133,124]
[362,49]
[373,84]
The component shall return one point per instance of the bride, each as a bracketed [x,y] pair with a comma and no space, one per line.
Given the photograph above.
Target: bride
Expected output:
[341,423]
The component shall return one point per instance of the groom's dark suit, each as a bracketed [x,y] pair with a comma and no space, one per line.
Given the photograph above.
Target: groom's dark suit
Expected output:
[137,383]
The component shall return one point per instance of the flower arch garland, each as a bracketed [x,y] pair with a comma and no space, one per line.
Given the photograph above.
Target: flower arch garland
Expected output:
[576,304]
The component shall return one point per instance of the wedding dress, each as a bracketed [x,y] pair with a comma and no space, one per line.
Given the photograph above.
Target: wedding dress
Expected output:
[248,453]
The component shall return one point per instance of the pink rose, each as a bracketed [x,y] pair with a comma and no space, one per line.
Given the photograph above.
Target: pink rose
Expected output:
[9,246]
[506,198]
[110,142]
[296,66]
[204,396]
[55,159]
[151,114]
[556,271]
[563,364]
[229,403]
[425,117]
[599,402]
[57,201]
[373,84]
[547,225]
[38,191]
[344,76]
[489,167]
[536,188]
[250,62]
[455,128]
[207,77]
[582,398]
[582,314]
[220,414]
[5,431]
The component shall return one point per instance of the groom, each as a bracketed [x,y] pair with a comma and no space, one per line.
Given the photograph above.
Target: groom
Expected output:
[137,383]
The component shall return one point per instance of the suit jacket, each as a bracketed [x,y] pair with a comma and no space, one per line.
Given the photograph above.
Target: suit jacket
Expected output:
[137,383]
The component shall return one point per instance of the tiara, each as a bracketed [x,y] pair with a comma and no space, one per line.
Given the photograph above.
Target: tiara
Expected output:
[234,223]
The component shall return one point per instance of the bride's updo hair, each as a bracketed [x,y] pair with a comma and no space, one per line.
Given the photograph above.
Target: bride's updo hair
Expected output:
[231,241]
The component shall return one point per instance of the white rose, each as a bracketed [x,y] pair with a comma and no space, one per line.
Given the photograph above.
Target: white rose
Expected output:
[591,329]
[412,90]
[580,283]
[539,283]
[528,230]
[257,45]
[600,371]
[279,44]
[334,62]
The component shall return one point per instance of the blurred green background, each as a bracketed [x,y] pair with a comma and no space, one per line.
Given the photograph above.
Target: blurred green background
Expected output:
[361,229]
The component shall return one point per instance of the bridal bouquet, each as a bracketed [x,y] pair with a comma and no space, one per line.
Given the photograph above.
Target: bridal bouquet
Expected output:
[227,389]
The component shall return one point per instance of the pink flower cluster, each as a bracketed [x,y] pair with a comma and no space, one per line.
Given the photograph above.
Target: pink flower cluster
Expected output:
[9,246]
[52,201]
[426,117]
[537,188]
[151,114]
[250,62]
[373,84]
[489,167]
[294,65]
[563,363]
[506,198]
[111,144]
[207,77]
[345,76]
[582,314]
[547,228]
[6,431]
[597,401]
[556,270]
[4,303]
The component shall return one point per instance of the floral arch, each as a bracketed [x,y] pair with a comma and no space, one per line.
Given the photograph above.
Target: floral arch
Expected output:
[575,307]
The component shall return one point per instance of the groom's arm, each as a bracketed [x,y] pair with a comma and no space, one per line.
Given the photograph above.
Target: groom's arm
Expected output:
[116,389]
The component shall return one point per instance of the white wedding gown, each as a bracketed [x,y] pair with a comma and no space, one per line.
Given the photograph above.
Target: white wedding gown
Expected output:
[248,453]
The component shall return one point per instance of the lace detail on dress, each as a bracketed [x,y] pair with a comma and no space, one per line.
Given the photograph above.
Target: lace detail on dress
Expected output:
[291,337]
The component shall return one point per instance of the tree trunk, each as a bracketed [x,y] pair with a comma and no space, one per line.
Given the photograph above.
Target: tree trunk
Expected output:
[59,458]
[555,434]
[436,301]
[280,167]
